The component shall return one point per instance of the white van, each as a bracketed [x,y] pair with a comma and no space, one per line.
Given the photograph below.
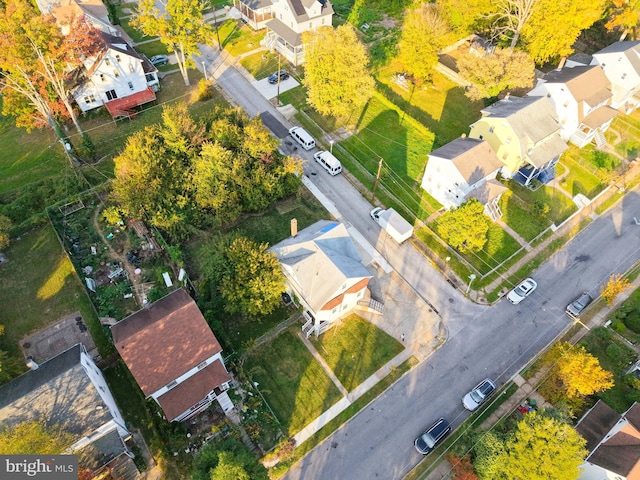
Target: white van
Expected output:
[301,136]
[330,163]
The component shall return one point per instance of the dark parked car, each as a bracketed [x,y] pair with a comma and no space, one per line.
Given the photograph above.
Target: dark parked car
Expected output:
[478,395]
[430,439]
[158,60]
[575,308]
[273,78]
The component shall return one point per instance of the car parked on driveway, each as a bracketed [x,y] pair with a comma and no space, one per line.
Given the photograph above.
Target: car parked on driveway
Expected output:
[478,395]
[430,439]
[159,60]
[522,291]
[575,308]
[273,78]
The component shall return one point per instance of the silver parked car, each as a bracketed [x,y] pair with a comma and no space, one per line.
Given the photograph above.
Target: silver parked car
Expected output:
[575,308]
[478,395]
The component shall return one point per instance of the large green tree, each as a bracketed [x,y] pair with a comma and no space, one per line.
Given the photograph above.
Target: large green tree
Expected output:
[424,33]
[491,74]
[465,228]
[540,448]
[336,75]
[181,27]
[222,457]
[33,437]
[230,467]
[182,174]
[247,276]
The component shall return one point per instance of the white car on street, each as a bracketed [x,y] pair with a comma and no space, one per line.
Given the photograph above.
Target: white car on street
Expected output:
[522,291]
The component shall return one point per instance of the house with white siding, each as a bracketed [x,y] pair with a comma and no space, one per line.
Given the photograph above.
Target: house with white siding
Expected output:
[621,64]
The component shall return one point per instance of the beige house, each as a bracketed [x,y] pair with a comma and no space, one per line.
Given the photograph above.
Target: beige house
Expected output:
[462,169]
[581,97]
[323,272]
[525,135]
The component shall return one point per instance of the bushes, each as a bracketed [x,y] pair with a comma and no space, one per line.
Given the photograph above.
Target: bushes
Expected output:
[632,321]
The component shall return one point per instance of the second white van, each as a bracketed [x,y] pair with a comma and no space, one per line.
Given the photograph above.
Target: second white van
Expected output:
[301,136]
[330,163]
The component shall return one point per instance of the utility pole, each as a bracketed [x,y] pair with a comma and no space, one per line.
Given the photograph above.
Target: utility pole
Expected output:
[215,24]
[375,184]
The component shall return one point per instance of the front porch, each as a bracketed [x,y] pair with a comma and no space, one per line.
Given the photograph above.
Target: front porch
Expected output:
[282,39]
[526,174]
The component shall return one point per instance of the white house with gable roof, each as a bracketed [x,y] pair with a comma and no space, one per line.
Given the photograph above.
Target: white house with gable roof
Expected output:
[621,64]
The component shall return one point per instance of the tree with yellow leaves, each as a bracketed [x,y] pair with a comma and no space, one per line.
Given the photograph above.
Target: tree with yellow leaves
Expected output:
[615,286]
[577,370]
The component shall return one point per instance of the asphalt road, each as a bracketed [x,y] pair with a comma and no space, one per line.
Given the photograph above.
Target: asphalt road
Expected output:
[483,342]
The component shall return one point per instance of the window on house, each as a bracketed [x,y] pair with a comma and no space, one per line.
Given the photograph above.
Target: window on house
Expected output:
[508,140]
[118,58]
[344,286]
[310,25]
[480,137]
[323,21]
[102,77]
[116,74]
[89,99]
[131,68]
[334,310]
[490,129]
[111,94]
[107,61]
[345,306]
[624,75]
[170,385]
[566,104]
[130,85]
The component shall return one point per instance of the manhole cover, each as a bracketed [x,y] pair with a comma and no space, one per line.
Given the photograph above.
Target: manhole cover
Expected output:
[451,300]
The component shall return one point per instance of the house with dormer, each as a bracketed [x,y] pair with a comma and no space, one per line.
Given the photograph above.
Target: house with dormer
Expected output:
[117,77]
[621,64]
[68,392]
[324,272]
[174,356]
[581,97]
[290,19]
[613,442]
[524,132]
[462,169]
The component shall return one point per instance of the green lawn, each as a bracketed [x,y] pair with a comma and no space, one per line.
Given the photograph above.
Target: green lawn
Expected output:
[136,35]
[155,48]
[519,216]
[39,287]
[262,64]
[294,384]
[589,169]
[440,106]
[355,350]
[626,129]
[237,37]
[561,207]
[615,357]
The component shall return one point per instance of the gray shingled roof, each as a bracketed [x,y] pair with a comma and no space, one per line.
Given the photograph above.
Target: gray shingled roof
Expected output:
[534,121]
[631,50]
[320,259]
[59,392]
[588,84]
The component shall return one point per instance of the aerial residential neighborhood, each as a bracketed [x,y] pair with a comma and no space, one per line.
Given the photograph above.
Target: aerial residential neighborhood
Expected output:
[320,239]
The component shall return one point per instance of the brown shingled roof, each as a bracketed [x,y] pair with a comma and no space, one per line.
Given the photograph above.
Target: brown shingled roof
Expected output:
[596,423]
[188,393]
[164,341]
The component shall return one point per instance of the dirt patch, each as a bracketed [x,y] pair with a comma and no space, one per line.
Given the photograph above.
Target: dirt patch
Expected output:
[388,22]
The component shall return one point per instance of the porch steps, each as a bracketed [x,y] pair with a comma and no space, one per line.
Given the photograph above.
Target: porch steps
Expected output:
[600,139]
[373,306]
[225,402]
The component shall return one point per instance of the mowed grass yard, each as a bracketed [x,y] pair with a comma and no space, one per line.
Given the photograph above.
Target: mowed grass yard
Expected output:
[294,384]
[355,349]
[39,287]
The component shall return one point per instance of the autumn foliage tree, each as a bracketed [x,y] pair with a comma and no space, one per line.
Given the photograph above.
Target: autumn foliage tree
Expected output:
[335,71]
[541,447]
[33,437]
[181,27]
[491,74]
[424,33]
[624,17]
[616,285]
[465,228]
[574,374]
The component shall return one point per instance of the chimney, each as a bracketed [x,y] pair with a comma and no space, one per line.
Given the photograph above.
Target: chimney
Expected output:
[32,364]
[294,227]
